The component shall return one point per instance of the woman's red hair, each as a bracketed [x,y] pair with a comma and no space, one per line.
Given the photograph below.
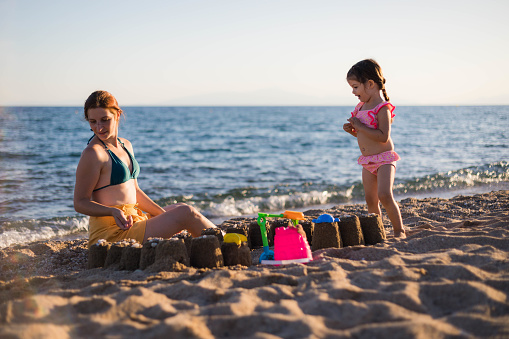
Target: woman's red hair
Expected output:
[102,99]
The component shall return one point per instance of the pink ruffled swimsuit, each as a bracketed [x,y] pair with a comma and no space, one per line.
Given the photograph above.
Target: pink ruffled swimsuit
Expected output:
[369,118]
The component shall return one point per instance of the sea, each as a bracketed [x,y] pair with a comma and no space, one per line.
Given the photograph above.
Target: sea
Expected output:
[238,161]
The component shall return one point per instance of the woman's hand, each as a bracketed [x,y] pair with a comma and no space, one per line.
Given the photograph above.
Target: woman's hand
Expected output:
[121,220]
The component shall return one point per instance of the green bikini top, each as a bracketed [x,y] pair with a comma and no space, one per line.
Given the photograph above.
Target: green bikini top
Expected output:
[120,172]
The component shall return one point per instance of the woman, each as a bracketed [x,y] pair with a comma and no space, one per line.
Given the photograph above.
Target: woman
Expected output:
[107,188]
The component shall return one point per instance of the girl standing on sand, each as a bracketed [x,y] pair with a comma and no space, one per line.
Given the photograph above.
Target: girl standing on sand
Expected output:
[371,123]
[107,188]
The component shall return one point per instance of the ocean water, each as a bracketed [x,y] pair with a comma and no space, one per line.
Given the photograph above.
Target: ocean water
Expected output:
[233,161]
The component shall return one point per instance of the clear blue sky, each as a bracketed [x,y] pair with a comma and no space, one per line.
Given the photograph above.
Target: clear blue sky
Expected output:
[251,52]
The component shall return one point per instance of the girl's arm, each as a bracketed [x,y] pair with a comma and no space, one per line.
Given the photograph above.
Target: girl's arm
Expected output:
[145,203]
[87,176]
[382,133]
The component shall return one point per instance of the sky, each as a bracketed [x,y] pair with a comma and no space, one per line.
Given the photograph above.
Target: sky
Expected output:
[239,52]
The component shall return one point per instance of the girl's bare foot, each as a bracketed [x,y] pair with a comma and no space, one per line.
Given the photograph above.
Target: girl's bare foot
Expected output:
[401,234]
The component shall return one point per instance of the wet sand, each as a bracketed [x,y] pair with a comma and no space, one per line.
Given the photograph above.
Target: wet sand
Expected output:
[448,279]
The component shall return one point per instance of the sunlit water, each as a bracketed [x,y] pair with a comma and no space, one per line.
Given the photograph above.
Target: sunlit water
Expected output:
[231,161]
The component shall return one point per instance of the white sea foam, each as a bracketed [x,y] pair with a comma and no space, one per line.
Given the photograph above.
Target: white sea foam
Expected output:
[42,230]
[24,235]
[250,206]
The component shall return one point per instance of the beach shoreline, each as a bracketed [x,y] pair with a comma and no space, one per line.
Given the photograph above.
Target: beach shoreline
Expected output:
[440,194]
[447,279]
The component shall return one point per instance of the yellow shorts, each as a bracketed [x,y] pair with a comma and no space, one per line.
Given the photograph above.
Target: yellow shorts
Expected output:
[106,228]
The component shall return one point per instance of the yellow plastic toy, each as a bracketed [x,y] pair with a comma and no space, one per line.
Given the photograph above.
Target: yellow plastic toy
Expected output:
[235,238]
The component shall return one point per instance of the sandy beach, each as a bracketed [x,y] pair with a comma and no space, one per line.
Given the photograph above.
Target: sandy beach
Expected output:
[448,279]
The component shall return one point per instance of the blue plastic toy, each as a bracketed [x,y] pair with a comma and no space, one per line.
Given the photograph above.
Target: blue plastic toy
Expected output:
[325,218]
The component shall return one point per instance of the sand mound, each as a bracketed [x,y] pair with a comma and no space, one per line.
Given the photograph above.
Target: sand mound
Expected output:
[449,278]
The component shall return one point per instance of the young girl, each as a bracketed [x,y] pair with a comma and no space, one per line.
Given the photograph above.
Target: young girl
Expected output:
[107,188]
[370,123]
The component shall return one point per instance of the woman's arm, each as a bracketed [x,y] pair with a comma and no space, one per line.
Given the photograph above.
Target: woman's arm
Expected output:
[380,134]
[145,203]
[87,176]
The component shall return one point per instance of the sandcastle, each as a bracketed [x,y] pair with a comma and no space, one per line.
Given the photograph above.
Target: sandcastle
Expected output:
[97,254]
[210,250]
[170,254]
[148,252]
[130,259]
[206,252]
[308,226]
[350,230]
[325,235]
[235,254]
[188,239]
[372,228]
[159,254]
[122,255]
[254,235]
[115,253]
[215,232]
[240,229]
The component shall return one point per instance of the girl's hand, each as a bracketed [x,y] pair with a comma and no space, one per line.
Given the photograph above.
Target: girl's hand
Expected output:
[348,128]
[355,122]
[121,220]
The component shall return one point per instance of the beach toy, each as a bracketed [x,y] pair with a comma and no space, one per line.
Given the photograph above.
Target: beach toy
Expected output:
[295,216]
[236,238]
[262,222]
[325,218]
[290,245]
[268,255]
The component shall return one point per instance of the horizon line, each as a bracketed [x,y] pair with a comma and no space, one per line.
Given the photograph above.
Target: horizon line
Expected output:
[278,105]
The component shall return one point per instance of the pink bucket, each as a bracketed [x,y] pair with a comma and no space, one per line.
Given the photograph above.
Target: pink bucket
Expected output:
[290,245]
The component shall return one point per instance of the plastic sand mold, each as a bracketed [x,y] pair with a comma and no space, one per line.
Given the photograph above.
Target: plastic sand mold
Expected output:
[289,245]
[234,238]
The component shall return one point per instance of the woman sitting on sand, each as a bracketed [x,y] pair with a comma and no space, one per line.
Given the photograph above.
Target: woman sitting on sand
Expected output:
[107,190]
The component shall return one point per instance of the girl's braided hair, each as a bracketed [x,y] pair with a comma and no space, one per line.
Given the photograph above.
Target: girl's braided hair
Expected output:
[365,70]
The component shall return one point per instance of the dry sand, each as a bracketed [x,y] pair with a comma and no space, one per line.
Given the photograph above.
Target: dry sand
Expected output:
[448,279]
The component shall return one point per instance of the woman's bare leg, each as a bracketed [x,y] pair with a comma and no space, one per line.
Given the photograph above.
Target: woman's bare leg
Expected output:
[177,217]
